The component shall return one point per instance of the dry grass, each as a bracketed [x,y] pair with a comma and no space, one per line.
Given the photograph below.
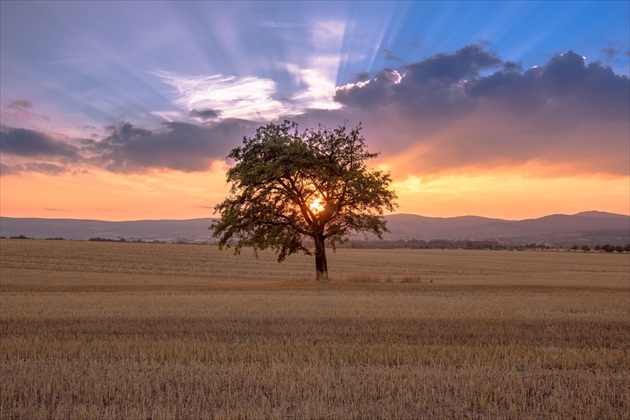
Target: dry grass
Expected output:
[109,330]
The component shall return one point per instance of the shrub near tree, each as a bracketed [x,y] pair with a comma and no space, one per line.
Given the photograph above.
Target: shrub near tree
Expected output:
[292,192]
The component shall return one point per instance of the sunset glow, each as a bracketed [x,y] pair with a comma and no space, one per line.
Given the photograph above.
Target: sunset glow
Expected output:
[317,206]
[478,118]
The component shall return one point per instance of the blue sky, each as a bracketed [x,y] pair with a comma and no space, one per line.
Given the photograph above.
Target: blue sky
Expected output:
[94,62]
[443,88]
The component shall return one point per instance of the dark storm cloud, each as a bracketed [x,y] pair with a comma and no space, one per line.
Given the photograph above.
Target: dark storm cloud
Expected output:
[511,66]
[206,114]
[362,76]
[465,63]
[376,92]
[24,142]
[448,83]
[566,81]
[470,109]
[430,86]
[179,146]
[176,145]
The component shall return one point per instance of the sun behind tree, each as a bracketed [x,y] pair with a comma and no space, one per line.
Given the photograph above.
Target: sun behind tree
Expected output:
[316,205]
[291,191]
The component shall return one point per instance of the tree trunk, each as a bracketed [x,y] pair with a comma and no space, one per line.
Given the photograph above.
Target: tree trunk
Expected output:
[321,266]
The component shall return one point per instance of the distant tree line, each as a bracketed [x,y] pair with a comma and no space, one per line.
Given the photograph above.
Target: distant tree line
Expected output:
[602,248]
[141,241]
[477,244]
[401,244]
[154,241]
[424,244]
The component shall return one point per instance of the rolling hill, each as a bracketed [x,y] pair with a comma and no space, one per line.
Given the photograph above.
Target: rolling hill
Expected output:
[588,228]
[559,229]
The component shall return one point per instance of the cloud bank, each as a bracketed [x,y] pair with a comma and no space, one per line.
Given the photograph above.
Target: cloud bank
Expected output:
[176,146]
[32,143]
[472,111]
[468,111]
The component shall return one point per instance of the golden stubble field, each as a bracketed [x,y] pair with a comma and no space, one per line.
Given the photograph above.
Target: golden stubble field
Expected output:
[156,331]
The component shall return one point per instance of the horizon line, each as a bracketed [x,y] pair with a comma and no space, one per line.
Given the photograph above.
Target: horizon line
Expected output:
[391,214]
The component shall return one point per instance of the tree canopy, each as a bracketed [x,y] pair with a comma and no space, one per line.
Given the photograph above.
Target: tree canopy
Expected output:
[292,191]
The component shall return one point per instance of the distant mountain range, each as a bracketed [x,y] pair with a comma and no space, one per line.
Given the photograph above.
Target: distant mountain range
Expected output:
[586,228]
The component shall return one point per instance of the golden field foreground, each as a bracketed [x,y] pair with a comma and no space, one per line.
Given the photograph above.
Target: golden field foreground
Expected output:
[139,331]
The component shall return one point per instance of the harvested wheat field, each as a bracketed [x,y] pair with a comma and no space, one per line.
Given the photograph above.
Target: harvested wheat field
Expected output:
[138,331]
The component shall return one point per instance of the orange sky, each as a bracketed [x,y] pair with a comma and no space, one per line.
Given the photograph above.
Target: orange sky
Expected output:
[95,126]
[175,195]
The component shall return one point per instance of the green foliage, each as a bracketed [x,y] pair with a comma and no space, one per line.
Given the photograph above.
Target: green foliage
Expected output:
[280,173]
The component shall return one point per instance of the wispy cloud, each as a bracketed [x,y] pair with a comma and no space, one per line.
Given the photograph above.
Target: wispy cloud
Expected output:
[318,73]
[33,167]
[169,116]
[277,25]
[319,84]
[21,112]
[20,104]
[312,72]
[249,98]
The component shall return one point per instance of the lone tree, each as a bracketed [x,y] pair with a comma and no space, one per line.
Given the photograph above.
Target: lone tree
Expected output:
[291,191]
